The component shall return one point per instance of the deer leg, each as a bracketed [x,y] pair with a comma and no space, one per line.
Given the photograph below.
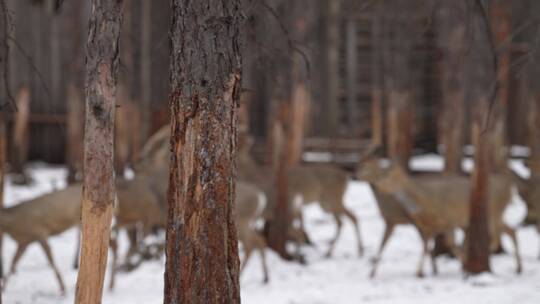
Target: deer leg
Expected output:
[113,243]
[16,257]
[433,259]
[354,220]
[419,270]
[512,234]
[336,237]
[261,245]
[387,233]
[247,254]
[48,253]
[77,250]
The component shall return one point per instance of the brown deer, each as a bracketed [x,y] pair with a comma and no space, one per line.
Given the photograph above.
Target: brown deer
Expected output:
[250,204]
[433,211]
[38,219]
[324,184]
[529,191]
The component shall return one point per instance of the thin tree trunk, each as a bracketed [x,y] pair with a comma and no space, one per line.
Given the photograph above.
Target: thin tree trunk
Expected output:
[451,34]
[332,37]
[501,21]
[202,262]
[377,85]
[98,191]
[20,136]
[146,70]
[75,103]
[400,89]
[481,71]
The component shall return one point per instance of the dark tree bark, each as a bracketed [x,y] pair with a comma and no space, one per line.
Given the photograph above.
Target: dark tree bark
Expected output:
[98,190]
[481,71]
[202,247]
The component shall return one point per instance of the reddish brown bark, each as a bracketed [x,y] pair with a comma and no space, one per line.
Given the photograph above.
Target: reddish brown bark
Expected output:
[202,247]
[98,190]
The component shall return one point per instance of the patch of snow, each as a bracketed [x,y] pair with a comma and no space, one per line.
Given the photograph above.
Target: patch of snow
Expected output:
[340,279]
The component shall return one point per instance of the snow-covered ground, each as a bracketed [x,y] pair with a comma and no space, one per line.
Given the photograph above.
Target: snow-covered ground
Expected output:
[341,279]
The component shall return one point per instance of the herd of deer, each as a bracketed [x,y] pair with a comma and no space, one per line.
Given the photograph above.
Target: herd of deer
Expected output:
[435,204]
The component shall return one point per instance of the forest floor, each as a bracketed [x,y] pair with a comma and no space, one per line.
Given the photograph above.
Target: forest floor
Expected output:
[340,279]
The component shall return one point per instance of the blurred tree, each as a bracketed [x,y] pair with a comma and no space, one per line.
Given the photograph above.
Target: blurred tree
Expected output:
[75,87]
[98,190]
[480,86]
[450,23]
[205,86]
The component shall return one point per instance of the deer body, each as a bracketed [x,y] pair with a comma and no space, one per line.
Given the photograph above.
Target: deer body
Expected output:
[529,191]
[324,185]
[38,219]
[438,204]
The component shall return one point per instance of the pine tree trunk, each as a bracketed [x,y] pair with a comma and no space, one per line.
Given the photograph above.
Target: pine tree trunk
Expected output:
[202,247]
[98,191]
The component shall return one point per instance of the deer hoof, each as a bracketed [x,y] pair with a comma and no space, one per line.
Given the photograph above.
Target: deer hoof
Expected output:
[420,275]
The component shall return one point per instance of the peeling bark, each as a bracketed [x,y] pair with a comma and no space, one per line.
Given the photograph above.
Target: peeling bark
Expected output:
[202,246]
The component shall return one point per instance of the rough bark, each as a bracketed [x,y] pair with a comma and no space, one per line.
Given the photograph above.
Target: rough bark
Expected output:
[202,247]
[481,75]
[98,189]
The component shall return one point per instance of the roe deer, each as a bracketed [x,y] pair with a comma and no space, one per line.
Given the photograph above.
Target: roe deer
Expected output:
[324,184]
[428,204]
[529,191]
[38,219]
[250,205]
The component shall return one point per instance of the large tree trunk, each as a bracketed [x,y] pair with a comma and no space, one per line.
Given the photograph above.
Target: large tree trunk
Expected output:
[202,262]
[98,191]
[481,68]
